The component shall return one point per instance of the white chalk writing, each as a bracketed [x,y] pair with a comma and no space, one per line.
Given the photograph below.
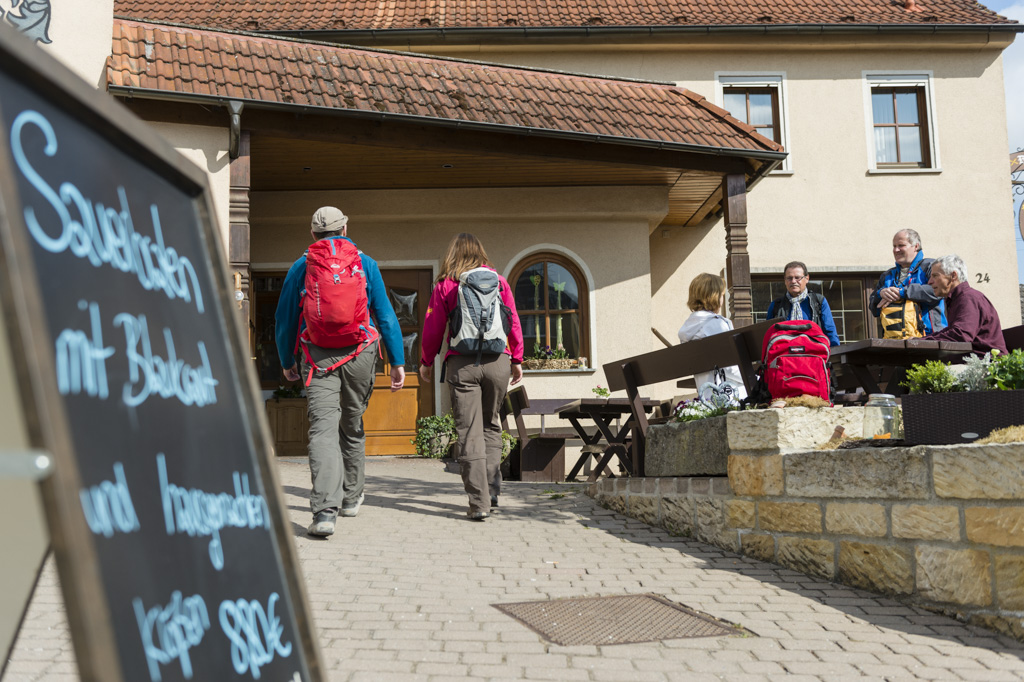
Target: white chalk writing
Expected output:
[200,513]
[255,634]
[168,632]
[149,374]
[108,506]
[81,361]
[101,234]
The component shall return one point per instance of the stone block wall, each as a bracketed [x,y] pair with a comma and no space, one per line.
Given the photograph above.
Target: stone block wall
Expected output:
[939,526]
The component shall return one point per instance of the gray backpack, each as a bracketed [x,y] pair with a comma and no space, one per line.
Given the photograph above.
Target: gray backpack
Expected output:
[480,323]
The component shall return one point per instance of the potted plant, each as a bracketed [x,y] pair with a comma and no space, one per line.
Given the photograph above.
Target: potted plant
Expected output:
[943,407]
[546,357]
[435,438]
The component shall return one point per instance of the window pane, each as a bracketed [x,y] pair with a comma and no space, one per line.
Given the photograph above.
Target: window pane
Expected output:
[736,103]
[910,145]
[563,293]
[565,331]
[761,112]
[412,354]
[533,333]
[404,303]
[767,132]
[528,292]
[885,145]
[906,107]
[881,106]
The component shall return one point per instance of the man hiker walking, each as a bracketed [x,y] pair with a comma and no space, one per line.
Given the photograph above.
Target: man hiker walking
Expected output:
[328,297]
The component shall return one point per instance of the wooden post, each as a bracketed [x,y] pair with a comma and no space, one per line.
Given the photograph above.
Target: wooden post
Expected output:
[737,260]
[238,235]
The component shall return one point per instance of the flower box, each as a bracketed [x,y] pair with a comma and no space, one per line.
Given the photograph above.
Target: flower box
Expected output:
[947,418]
[550,363]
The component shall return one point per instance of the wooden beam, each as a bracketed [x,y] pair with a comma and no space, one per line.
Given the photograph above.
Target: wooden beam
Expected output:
[737,260]
[238,231]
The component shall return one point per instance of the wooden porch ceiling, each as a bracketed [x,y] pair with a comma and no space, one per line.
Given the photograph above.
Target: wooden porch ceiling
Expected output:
[285,163]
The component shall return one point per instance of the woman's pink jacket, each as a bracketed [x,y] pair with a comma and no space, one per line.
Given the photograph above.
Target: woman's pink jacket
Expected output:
[443,300]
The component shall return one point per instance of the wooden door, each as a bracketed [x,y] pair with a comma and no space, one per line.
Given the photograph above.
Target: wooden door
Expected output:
[390,420]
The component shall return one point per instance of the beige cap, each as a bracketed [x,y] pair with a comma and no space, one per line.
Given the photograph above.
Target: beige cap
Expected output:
[329,219]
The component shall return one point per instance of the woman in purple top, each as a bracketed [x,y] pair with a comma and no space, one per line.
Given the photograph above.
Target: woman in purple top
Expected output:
[971,316]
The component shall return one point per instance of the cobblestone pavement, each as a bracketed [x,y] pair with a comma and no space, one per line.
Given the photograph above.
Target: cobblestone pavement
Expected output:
[404,592]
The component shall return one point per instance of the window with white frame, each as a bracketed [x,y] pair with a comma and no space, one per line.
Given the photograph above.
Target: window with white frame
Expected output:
[760,102]
[900,121]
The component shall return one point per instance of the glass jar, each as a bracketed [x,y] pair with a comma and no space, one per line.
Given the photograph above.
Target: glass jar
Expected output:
[882,417]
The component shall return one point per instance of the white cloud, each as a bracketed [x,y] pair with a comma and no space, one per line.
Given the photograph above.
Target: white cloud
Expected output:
[1013,78]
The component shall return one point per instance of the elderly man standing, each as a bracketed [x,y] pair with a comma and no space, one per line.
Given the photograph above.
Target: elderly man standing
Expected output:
[904,299]
[800,304]
[972,317]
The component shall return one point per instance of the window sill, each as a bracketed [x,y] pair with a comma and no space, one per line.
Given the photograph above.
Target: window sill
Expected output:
[545,372]
[904,171]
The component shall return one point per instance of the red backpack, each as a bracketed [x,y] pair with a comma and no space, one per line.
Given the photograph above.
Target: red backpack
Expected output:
[334,302]
[795,358]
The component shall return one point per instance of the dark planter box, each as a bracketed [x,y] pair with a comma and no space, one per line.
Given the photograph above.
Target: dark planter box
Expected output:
[944,418]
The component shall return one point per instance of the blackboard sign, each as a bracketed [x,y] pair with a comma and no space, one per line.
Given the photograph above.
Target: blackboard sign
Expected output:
[172,542]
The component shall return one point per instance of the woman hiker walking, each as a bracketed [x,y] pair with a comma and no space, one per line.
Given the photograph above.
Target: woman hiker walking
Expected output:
[485,348]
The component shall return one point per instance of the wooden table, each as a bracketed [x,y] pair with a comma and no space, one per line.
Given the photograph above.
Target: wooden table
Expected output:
[608,440]
[897,354]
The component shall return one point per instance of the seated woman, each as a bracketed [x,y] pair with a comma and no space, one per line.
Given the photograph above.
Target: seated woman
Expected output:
[707,299]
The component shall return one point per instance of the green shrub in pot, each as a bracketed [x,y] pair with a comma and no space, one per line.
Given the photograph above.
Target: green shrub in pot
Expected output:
[931,377]
[1006,370]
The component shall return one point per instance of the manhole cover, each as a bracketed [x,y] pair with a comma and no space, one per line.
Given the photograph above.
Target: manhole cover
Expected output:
[614,620]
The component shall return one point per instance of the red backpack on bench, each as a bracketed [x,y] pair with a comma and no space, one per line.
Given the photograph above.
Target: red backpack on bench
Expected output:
[795,356]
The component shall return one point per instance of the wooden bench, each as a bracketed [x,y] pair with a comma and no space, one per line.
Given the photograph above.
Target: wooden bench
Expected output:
[1014,337]
[741,347]
[540,454]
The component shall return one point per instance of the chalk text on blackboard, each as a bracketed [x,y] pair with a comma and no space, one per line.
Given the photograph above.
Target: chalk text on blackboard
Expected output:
[255,634]
[102,234]
[108,506]
[150,374]
[81,360]
[200,513]
[168,632]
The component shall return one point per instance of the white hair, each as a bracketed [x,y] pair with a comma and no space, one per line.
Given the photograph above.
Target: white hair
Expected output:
[950,264]
[912,236]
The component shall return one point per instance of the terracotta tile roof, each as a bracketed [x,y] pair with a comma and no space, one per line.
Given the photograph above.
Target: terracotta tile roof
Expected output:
[278,71]
[295,15]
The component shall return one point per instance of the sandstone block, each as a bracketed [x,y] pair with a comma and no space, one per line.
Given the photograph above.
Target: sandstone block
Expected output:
[994,472]
[1010,581]
[926,522]
[814,557]
[644,509]
[755,476]
[880,568]
[792,517]
[759,546]
[855,518]
[790,430]
[739,514]
[710,520]
[616,503]
[697,448]
[1008,624]
[960,576]
[677,515]
[1000,526]
[868,472]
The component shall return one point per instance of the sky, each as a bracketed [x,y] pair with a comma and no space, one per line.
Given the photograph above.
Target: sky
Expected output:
[1013,75]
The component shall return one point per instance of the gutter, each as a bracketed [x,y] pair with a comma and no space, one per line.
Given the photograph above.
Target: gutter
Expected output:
[510,34]
[231,103]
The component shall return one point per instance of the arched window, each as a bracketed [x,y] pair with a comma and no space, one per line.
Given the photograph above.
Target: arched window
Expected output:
[551,298]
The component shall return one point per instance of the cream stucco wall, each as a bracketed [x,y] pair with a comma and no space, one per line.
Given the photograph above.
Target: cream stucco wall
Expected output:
[606,229]
[80,33]
[831,212]
[207,147]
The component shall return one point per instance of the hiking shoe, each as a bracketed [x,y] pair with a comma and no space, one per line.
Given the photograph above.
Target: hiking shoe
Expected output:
[323,523]
[477,515]
[494,500]
[349,512]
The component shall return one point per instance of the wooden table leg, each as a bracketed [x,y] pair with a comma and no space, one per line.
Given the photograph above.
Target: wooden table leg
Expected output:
[614,449]
[863,375]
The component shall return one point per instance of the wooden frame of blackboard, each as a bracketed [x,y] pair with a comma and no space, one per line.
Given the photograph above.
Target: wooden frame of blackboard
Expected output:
[47,421]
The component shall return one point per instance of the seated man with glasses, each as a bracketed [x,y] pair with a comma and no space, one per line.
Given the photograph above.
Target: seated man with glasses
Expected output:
[800,304]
